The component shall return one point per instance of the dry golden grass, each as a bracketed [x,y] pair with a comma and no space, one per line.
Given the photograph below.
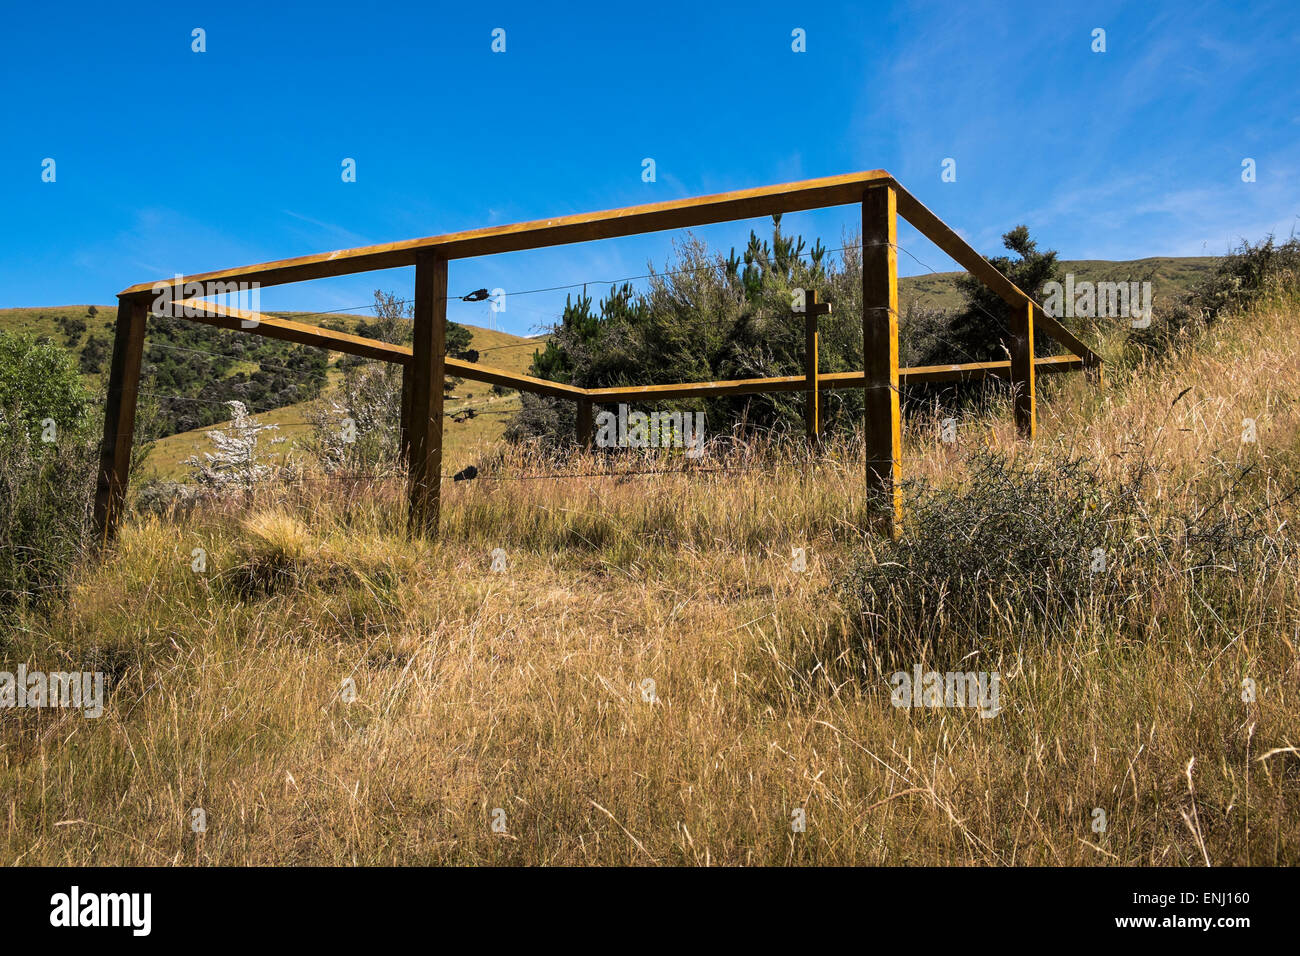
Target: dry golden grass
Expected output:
[523,691]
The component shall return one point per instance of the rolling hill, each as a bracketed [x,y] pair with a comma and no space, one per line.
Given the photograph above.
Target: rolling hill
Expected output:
[463,438]
[221,365]
[1169,277]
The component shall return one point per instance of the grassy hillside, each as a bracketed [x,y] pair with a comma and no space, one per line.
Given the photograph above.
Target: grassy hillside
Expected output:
[221,364]
[465,439]
[652,679]
[45,321]
[1169,277]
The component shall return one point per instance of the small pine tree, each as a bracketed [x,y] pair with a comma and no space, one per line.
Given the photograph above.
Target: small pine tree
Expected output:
[981,332]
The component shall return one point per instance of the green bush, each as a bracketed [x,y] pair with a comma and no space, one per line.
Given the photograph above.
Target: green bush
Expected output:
[708,317]
[47,468]
[39,383]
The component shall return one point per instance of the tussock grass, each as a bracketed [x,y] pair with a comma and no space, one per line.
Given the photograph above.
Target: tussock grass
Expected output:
[525,690]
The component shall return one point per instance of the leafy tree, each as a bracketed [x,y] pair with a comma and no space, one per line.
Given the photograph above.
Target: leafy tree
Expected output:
[39,384]
[47,468]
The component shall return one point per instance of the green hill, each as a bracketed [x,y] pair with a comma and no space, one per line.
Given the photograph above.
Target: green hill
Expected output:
[1169,277]
[463,437]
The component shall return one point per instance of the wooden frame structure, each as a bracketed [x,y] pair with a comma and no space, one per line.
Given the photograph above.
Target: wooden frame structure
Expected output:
[424,365]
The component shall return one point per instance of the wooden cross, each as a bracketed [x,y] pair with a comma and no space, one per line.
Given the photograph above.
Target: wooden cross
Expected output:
[812,402]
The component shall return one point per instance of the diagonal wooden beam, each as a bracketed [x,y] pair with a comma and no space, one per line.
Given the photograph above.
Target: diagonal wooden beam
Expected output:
[961,252]
[524,383]
[256,323]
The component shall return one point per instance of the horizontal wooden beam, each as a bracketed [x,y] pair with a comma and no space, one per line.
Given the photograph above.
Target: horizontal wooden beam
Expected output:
[541,233]
[976,370]
[745,386]
[524,383]
[971,371]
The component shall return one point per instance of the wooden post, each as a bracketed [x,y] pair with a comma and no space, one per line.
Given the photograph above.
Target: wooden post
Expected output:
[812,400]
[427,371]
[585,424]
[404,426]
[1022,368]
[880,354]
[119,415]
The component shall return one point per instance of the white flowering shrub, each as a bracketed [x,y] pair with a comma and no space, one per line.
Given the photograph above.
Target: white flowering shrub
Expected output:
[238,460]
[357,429]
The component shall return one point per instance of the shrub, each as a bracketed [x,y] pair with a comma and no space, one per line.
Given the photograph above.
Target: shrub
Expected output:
[47,467]
[1243,276]
[1011,534]
[358,429]
[1040,544]
[238,462]
[39,383]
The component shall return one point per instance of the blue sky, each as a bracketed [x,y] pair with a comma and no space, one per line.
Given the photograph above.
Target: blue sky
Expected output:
[173,161]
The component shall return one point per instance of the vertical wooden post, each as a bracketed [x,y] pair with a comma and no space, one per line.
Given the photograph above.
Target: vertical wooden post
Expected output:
[119,415]
[812,401]
[404,426]
[427,371]
[585,424]
[1022,368]
[880,354]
